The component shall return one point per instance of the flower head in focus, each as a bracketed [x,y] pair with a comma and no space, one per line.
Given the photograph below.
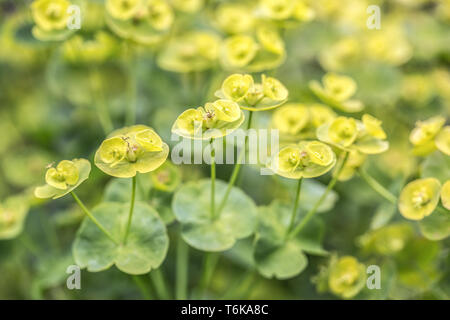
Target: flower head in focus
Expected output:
[64,178]
[130,150]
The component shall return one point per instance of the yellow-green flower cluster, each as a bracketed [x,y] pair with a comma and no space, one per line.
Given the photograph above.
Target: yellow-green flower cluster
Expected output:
[341,54]
[307,159]
[430,135]
[234,18]
[253,53]
[130,150]
[64,178]
[188,6]
[354,161]
[417,89]
[445,195]
[299,121]
[286,10]
[144,21]
[190,52]
[166,178]
[13,212]
[51,18]
[252,96]
[214,120]
[96,50]
[388,240]
[388,45]
[336,91]
[420,198]
[366,136]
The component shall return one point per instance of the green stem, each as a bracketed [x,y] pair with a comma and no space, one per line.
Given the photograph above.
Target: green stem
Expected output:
[209,264]
[375,185]
[313,210]
[213,181]
[50,233]
[237,167]
[181,282]
[130,215]
[142,287]
[93,219]
[159,283]
[132,87]
[99,102]
[239,287]
[295,209]
[382,191]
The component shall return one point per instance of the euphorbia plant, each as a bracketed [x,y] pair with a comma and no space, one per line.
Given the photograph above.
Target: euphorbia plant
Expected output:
[204,225]
[275,241]
[131,236]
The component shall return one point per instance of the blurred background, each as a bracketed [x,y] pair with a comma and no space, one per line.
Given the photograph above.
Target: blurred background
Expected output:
[63,90]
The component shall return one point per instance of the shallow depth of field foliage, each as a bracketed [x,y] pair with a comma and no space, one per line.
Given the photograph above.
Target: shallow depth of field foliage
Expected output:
[87,125]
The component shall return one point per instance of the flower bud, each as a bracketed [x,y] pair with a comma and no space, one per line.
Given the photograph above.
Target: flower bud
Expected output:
[340,88]
[236,86]
[346,277]
[149,140]
[426,130]
[291,118]
[65,174]
[113,150]
[419,198]
[274,89]
[234,18]
[226,110]
[123,9]
[443,140]
[160,14]
[445,195]
[343,131]
[50,14]
[239,50]
[373,126]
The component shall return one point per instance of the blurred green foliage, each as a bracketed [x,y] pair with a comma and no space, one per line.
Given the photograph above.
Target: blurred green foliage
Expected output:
[63,91]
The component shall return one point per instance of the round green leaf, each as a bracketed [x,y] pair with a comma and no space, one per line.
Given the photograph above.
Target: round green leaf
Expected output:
[280,260]
[349,106]
[277,255]
[146,246]
[191,205]
[141,32]
[436,226]
[53,35]
[436,165]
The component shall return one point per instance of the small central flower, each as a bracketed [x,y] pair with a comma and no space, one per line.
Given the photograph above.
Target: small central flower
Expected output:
[420,198]
[53,11]
[114,150]
[65,173]
[163,176]
[209,115]
[7,217]
[343,131]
